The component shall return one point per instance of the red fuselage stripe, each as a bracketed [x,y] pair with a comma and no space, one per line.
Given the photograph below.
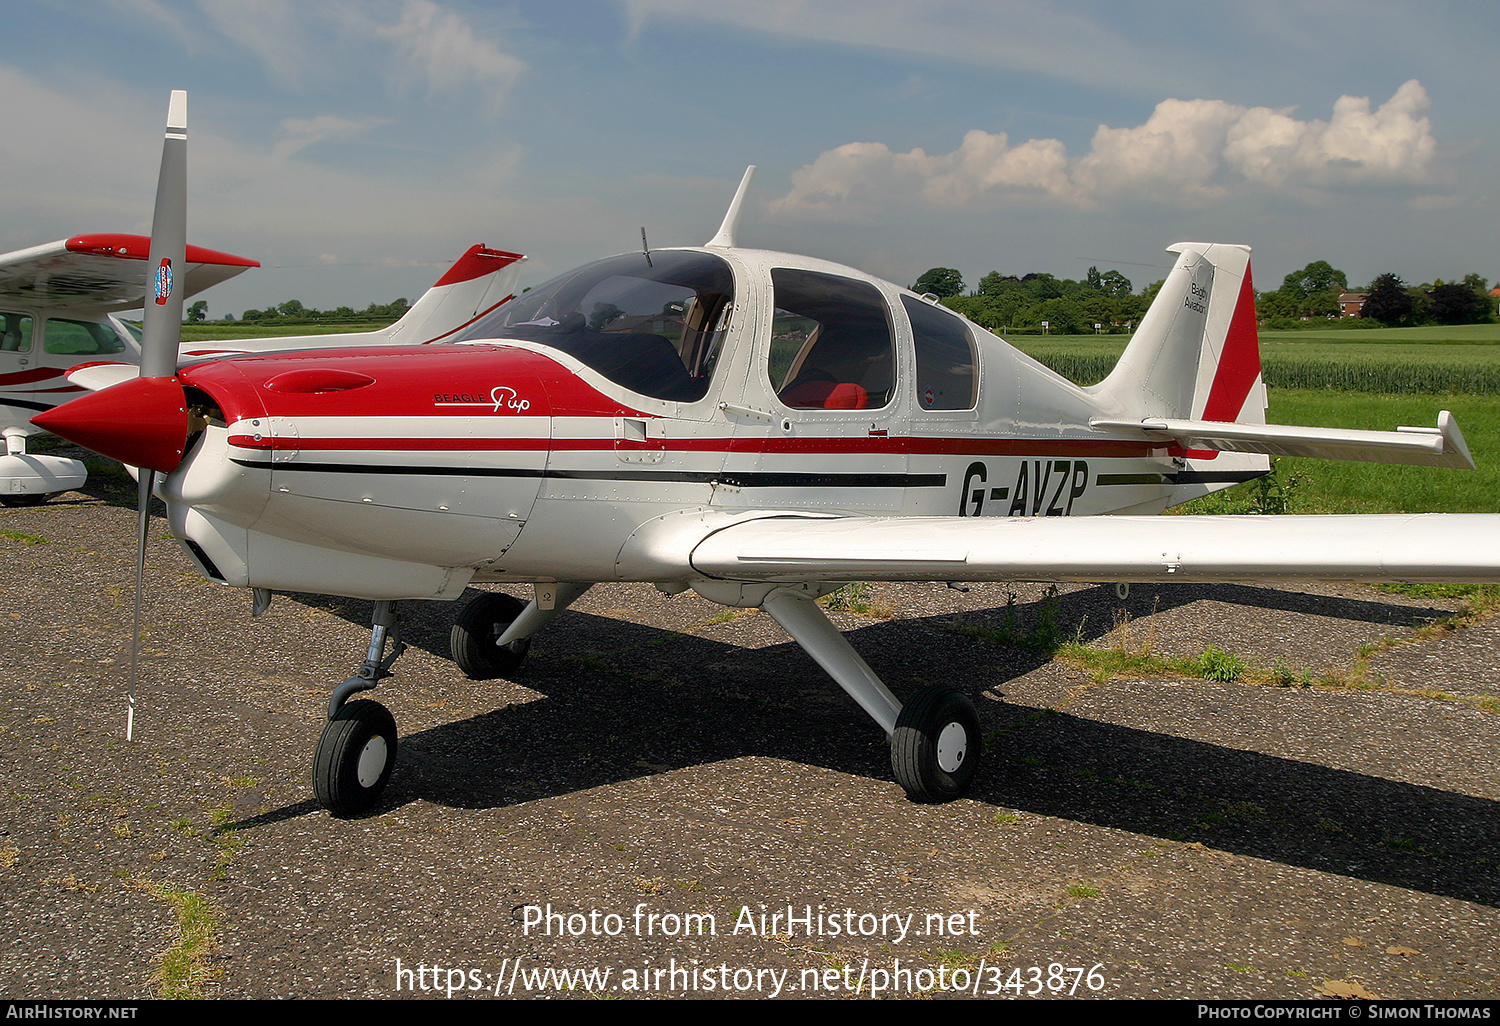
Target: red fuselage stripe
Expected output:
[1101,448]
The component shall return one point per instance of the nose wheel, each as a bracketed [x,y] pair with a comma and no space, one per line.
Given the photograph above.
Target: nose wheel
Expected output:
[936,744]
[354,758]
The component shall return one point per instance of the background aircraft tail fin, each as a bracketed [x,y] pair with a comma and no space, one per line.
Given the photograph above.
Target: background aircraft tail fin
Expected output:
[481,280]
[1196,354]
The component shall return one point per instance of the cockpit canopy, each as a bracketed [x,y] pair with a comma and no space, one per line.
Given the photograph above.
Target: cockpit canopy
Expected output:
[654,325]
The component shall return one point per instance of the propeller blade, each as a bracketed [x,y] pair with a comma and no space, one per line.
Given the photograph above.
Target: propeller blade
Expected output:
[162,326]
[142,520]
[161,331]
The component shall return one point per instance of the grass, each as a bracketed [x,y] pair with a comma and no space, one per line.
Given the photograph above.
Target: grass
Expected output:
[23,538]
[187,966]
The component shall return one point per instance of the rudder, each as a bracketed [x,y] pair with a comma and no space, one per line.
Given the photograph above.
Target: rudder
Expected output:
[1196,354]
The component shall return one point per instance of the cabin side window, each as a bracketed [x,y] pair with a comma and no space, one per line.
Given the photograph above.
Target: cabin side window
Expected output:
[15,333]
[80,338]
[945,357]
[832,347]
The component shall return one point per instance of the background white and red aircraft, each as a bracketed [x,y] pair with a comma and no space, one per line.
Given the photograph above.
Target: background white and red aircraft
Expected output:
[757,427]
[61,305]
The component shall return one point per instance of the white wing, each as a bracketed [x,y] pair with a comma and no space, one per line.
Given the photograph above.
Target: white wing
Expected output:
[790,547]
[102,272]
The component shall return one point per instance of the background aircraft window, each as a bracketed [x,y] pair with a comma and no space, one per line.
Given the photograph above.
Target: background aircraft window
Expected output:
[831,342]
[15,333]
[654,326]
[945,357]
[80,338]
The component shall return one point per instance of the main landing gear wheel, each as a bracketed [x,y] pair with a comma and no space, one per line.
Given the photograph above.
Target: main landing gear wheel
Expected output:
[477,628]
[355,757]
[935,747]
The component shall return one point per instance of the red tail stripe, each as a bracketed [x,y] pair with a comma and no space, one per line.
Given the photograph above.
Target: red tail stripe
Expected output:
[1240,364]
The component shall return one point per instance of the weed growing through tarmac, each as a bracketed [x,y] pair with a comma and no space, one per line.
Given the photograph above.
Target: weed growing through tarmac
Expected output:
[187,966]
[23,538]
[858,597]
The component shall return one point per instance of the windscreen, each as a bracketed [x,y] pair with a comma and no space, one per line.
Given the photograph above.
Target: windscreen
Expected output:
[653,325]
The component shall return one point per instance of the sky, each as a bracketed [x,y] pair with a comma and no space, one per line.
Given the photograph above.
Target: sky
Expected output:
[358,148]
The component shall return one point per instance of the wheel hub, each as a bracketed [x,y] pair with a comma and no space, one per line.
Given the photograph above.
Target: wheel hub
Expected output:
[372,762]
[952,746]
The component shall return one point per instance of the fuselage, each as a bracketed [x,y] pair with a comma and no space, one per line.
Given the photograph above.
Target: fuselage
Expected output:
[549,440]
[37,346]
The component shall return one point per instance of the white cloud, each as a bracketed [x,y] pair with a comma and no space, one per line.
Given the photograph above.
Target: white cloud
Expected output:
[417,44]
[443,50]
[296,134]
[1188,152]
[1038,38]
[274,31]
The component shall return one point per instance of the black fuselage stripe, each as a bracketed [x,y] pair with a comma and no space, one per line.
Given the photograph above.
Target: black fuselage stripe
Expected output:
[23,404]
[758,479]
[1215,477]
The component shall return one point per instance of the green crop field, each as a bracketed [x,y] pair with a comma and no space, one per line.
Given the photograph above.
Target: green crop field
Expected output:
[219,331]
[1399,361]
[1463,334]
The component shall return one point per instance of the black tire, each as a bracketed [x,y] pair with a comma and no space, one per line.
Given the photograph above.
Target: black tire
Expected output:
[354,758]
[478,625]
[936,745]
[16,499]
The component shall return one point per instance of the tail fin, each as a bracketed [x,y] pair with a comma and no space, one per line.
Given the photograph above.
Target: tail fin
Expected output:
[481,280]
[1196,354]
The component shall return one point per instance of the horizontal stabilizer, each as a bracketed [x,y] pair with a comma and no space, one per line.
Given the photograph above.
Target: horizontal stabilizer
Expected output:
[1415,547]
[1442,446]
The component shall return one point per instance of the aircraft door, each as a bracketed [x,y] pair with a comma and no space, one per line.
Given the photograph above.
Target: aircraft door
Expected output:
[827,381]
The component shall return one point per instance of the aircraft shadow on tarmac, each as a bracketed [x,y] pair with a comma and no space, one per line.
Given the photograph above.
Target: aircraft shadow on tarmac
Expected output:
[625,700]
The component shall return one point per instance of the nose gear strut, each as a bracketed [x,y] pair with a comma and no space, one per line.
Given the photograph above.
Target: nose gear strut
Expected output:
[377,665]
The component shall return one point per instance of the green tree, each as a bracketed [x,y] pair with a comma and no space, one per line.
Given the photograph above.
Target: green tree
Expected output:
[1458,304]
[941,282]
[1115,284]
[1318,276]
[1388,300]
[198,311]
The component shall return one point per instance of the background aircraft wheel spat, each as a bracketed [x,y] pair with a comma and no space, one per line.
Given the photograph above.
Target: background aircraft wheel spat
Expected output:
[475,632]
[935,747]
[354,759]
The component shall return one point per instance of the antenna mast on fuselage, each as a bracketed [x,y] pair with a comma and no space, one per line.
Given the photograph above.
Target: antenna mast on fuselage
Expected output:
[725,238]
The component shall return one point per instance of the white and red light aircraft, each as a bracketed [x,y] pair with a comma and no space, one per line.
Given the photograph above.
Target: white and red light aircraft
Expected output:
[754,426]
[61,305]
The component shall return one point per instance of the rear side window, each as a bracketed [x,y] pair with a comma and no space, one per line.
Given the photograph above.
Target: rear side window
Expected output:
[831,342]
[15,333]
[945,357]
[81,338]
